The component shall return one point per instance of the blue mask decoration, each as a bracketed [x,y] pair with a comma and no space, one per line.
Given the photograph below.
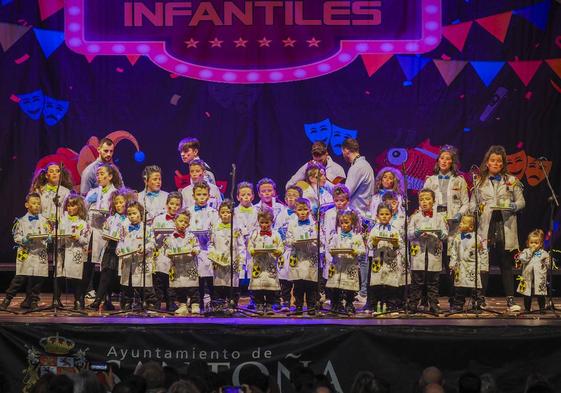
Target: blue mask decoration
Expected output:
[338,137]
[32,104]
[54,110]
[320,131]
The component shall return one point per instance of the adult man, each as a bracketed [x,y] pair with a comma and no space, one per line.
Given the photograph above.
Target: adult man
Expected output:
[105,149]
[333,171]
[189,151]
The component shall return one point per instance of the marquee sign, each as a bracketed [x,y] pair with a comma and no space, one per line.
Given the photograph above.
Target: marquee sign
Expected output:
[244,41]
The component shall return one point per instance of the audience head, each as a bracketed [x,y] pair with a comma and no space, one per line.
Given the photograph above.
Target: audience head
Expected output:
[366,382]
[469,383]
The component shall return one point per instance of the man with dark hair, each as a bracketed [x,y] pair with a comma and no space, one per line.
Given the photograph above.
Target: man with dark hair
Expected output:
[469,383]
[106,149]
[154,375]
[189,150]
[333,171]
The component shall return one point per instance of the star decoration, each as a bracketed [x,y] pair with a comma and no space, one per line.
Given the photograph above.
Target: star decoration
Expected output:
[264,42]
[240,43]
[313,42]
[191,43]
[289,42]
[216,43]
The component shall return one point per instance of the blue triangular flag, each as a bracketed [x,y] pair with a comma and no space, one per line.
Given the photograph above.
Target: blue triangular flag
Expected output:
[412,65]
[487,70]
[5,2]
[536,14]
[49,40]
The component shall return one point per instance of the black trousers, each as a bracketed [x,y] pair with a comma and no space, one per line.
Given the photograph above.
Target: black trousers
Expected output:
[418,283]
[498,256]
[76,284]
[267,297]
[183,294]
[222,294]
[305,288]
[32,289]
[383,294]
[461,293]
[208,283]
[127,294]
[108,282]
[528,302]
[338,295]
[164,293]
[286,288]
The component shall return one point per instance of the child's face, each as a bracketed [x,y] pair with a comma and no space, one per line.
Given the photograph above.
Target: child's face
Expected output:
[445,162]
[341,202]
[53,174]
[72,209]
[302,211]
[534,242]
[425,201]
[33,205]
[346,223]
[201,196]
[388,180]
[290,197]
[384,216]
[133,215]
[245,196]
[466,224]
[393,203]
[181,222]
[313,177]
[495,164]
[120,204]
[265,223]
[173,206]
[267,193]
[225,215]
[197,173]
[187,155]
[103,177]
[154,182]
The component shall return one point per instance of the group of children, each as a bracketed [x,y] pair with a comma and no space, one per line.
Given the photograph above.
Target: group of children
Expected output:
[178,246]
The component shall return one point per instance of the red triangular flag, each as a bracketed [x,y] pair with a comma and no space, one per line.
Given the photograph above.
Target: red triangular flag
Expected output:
[133,59]
[525,69]
[373,62]
[10,33]
[497,25]
[449,70]
[89,58]
[457,34]
[49,7]
[555,65]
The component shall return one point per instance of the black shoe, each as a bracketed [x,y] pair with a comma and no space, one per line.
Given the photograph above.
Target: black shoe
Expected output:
[350,309]
[95,305]
[26,304]
[108,306]
[269,310]
[5,304]
[434,308]
[76,305]
[171,307]
[335,307]
[126,307]
[299,310]
[58,304]
[456,308]
[251,305]
[311,311]
[33,306]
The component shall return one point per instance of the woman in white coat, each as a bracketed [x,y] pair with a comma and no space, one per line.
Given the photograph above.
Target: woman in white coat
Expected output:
[499,196]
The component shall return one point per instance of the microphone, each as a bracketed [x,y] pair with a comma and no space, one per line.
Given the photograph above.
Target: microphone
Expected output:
[542,158]
[474,170]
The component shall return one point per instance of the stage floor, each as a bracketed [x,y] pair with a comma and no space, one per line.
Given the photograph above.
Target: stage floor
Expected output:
[501,318]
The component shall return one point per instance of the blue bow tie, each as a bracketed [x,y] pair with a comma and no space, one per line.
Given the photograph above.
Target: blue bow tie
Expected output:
[122,217]
[538,253]
[199,208]
[304,222]
[134,227]
[387,227]
[33,218]
[152,194]
[382,191]
[321,190]
[346,235]
[466,236]
[445,177]
[496,177]
[290,212]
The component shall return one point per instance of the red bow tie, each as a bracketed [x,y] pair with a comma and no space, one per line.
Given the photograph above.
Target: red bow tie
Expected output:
[169,218]
[428,213]
[266,233]
[179,234]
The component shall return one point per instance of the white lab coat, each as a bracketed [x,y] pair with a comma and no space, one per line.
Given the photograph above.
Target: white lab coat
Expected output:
[462,260]
[31,259]
[342,269]
[72,254]
[431,245]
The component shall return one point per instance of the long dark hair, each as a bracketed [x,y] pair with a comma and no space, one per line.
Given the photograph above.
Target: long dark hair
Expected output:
[455,160]
[495,149]
[40,178]
[114,172]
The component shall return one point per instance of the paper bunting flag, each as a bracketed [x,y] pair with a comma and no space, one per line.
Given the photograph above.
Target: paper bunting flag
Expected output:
[487,70]
[374,62]
[49,7]
[497,25]
[449,70]
[133,59]
[555,65]
[536,14]
[412,65]
[49,40]
[457,34]
[525,69]
[10,33]
[89,58]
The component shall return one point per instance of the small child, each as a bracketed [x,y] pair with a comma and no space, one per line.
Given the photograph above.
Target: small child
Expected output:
[203,218]
[387,268]
[535,264]
[182,247]
[462,264]
[226,273]
[152,197]
[266,247]
[427,229]
[342,270]
[164,224]
[45,183]
[197,169]
[388,179]
[398,218]
[267,191]
[30,234]
[131,249]
[315,177]
[72,250]
[111,232]
[301,239]
[245,213]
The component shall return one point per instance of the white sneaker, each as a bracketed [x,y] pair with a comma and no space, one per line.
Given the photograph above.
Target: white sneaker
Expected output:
[90,295]
[182,310]
[511,305]
[327,302]
[195,308]
[360,298]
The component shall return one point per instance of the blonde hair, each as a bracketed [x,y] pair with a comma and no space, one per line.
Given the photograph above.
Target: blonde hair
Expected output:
[536,233]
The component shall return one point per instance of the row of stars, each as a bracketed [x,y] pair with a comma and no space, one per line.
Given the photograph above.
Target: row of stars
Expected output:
[263,43]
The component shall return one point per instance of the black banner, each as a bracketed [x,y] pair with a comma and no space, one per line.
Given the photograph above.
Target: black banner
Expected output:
[396,353]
